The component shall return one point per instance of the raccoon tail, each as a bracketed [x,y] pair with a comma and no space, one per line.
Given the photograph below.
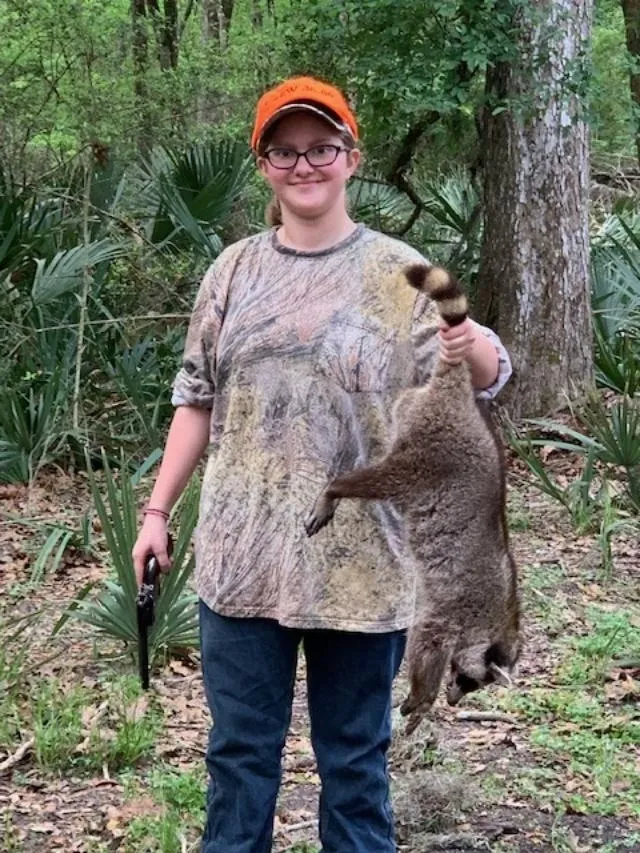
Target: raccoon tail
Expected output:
[445,290]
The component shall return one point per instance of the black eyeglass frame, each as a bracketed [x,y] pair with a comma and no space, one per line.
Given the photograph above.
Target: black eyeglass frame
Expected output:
[337,148]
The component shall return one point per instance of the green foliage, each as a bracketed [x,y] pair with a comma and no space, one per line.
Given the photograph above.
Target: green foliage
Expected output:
[609,431]
[601,757]
[605,496]
[114,612]
[184,792]
[57,724]
[70,79]
[72,732]
[612,437]
[610,524]
[612,636]
[451,227]
[378,204]
[617,361]
[141,375]
[14,658]
[51,554]
[64,272]
[427,57]
[34,430]
[76,375]
[611,117]
[580,497]
[612,432]
[155,834]
[615,284]
[574,733]
[628,843]
[186,197]
[179,799]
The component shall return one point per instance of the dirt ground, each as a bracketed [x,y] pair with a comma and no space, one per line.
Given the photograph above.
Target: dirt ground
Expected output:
[552,763]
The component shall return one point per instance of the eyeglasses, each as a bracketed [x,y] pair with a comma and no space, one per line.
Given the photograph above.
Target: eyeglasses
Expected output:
[319,155]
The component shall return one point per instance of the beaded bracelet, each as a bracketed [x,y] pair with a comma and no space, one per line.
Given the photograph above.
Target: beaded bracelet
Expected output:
[150,510]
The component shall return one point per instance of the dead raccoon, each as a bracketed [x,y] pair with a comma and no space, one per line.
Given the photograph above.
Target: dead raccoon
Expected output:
[445,474]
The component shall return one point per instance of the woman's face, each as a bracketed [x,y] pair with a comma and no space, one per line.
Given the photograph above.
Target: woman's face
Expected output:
[308,191]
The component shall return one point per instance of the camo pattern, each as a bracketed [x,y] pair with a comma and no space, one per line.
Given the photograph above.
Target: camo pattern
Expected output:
[300,355]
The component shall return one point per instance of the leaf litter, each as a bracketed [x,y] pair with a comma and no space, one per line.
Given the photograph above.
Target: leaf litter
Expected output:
[458,784]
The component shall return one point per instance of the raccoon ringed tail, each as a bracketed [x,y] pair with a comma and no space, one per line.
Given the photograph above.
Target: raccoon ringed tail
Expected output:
[445,290]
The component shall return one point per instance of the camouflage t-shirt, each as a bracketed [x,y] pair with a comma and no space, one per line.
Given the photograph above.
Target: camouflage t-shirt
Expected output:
[300,355]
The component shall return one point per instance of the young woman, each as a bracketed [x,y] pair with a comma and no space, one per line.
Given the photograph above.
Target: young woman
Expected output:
[299,341]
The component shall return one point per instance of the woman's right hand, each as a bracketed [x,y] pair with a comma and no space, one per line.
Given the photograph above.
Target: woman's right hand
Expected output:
[152,539]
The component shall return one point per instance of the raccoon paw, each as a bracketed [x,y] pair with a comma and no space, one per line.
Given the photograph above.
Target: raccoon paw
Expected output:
[312,524]
[320,515]
[409,705]
[414,721]
[416,709]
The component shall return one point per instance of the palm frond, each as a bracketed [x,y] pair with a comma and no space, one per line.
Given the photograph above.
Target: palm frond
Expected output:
[64,272]
[113,612]
[187,197]
[378,204]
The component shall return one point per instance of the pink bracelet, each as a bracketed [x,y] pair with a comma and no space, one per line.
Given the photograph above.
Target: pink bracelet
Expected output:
[150,510]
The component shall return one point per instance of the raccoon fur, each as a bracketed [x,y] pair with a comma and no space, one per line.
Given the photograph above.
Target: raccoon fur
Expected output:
[445,474]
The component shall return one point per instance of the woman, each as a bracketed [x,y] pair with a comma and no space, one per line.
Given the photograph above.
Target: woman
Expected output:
[299,341]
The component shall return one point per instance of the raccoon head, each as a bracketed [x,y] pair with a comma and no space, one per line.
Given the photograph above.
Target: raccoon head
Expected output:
[477,666]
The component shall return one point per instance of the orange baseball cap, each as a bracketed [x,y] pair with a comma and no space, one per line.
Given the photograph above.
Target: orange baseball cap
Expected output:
[303,93]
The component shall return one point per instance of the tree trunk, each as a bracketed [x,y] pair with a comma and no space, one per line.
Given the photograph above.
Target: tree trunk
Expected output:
[170,43]
[631,12]
[533,285]
[165,25]
[210,21]
[257,18]
[207,99]
[225,11]
[140,50]
[216,18]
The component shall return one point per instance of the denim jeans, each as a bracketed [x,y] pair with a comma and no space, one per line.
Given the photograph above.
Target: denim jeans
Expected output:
[249,668]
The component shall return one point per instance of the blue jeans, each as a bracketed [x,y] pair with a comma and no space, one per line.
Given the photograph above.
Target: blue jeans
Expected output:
[249,668]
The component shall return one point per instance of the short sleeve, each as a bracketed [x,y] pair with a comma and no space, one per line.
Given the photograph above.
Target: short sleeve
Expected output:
[194,384]
[424,334]
[504,367]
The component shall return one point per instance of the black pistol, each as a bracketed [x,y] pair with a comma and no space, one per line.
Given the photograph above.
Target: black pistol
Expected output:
[145,607]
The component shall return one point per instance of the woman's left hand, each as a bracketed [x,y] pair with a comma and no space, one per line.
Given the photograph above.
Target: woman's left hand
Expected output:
[456,342]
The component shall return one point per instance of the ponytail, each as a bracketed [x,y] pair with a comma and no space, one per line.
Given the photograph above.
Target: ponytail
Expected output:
[273,213]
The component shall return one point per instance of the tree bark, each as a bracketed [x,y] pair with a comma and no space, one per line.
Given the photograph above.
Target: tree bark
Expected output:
[257,18]
[216,18]
[397,174]
[170,44]
[533,283]
[140,51]
[631,12]
[225,11]
[211,41]
[165,25]
[210,21]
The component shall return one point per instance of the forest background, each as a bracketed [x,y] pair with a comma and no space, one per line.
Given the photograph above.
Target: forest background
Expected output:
[124,171]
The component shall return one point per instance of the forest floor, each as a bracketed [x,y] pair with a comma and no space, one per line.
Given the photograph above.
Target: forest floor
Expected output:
[89,764]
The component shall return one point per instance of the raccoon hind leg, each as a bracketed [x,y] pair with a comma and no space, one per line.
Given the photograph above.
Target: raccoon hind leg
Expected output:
[428,655]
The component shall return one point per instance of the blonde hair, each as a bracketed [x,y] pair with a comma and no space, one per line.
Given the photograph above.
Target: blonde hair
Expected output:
[273,210]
